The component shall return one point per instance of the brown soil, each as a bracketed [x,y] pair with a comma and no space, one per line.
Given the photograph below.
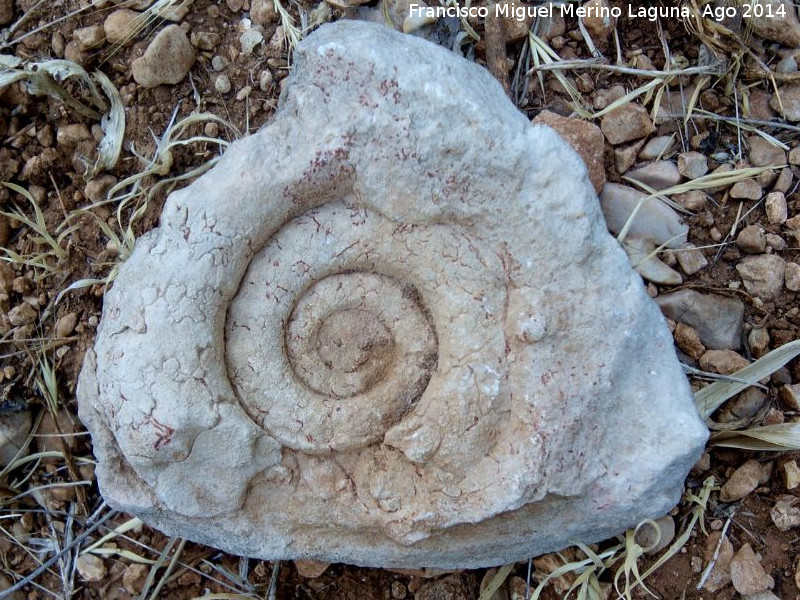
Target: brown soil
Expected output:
[34,156]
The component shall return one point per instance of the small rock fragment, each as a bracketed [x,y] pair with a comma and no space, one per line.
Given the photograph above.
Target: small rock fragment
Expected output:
[625,155]
[167,59]
[655,219]
[250,38]
[22,314]
[205,40]
[763,275]
[743,481]
[311,569]
[6,11]
[692,164]
[791,473]
[693,200]
[723,362]
[657,147]
[763,153]
[625,123]
[717,319]
[69,136]
[744,406]
[398,590]
[96,190]
[784,515]
[751,240]
[778,22]
[66,324]
[775,206]
[134,577]
[784,181]
[91,567]
[792,277]
[598,22]
[263,12]
[120,26]
[88,38]
[688,341]
[790,396]
[585,137]
[607,96]
[747,574]
[690,258]
[775,242]
[758,340]
[640,252]
[747,189]
[787,66]
[786,101]
[659,175]
[222,84]
[14,429]
[458,586]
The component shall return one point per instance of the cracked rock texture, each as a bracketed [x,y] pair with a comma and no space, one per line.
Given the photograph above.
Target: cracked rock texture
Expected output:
[389,329]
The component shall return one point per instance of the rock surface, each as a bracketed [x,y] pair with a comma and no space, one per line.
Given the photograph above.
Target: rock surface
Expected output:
[318,365]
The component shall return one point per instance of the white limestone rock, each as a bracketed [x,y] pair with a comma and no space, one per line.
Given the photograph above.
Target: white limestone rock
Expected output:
[389,329]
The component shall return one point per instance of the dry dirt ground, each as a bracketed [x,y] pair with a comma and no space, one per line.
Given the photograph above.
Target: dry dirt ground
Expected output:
[45,147]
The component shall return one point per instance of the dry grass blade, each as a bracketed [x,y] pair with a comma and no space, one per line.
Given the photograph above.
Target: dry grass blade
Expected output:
[292,34]
[498,579]
[114,533]
[543,54]
[160,562]
[37,224]
[711,397]
[113,126]
[784,437]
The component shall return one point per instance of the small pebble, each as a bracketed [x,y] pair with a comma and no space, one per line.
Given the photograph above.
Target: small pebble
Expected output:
[244,93]
[791,474]
[724,362]
[91,567]
[265,80]
[222,84]
[758,340]
[744,480]
[218,63]
[751,240]
[747,189]
[775,207]
[792,277]
[762,275]
[692,165]
[747,574]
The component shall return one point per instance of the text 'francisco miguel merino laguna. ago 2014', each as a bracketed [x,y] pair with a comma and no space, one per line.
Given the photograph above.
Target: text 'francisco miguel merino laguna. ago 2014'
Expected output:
[569,9]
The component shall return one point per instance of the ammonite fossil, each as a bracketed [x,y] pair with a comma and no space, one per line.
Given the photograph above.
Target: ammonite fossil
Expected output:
[388,329]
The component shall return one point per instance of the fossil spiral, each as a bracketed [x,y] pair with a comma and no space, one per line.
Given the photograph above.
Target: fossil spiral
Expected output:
[391,329]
